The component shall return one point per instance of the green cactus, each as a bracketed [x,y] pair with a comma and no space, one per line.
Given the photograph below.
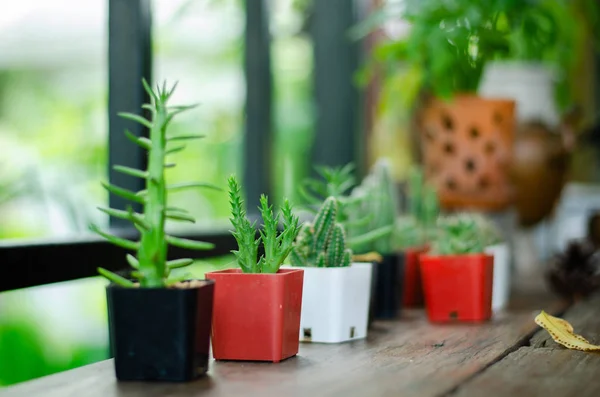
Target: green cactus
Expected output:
[373,211]
[150,264]
[419,226]
[277,246]
[322,243]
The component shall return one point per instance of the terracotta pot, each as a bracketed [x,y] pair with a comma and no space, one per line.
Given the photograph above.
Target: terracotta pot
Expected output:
[467,148]
[458,287]
[256,317]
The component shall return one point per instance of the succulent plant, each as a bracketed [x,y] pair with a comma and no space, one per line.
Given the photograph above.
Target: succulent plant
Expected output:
[333,181]
[322,243]
[418,227]
[150,264]
[277,246]
[373,211]
[458,235]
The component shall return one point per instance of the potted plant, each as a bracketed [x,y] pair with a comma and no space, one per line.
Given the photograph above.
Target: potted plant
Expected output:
[364,223]
[159,325]
[457,274]
[414,233]
[257,307]
[497,246]
[335,299]
[372,206]
[466,140]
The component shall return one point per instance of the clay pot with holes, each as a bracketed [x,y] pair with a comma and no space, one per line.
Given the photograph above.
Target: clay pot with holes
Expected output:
[467,147]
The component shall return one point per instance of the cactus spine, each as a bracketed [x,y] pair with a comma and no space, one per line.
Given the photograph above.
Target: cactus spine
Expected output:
[322,243]
[150,264]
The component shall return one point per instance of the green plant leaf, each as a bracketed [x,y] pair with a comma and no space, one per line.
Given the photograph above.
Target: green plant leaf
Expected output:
[190,185]
[177,263]
[115,278]
[128,215]
[140,141]
[184,137]
[136,118]
[178,216]
[179,279]
[126,194]
[131,171]
[121,242]
[133,262]
[175,150]
[189,244]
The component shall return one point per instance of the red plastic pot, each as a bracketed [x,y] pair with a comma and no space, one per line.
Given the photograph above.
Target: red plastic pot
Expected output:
[412,288]
[458,287]
[256,317]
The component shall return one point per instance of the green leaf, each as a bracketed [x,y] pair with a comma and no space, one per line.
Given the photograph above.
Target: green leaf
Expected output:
[170,165]
[189,185]
[189,244]
[178,216]
[184,137]
[136,118]
[121,242]
[177,263]
[175,150]
[115,278]
[133,262]
[131,171]
[128,215]
[179,279]
[149,90]
[126,194]
[140,141]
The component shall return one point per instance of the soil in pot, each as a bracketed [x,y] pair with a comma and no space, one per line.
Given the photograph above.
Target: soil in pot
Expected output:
[256,317]
[160,334]
[458,287]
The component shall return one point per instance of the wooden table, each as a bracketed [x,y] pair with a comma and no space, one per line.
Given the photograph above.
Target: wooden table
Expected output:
[509,356]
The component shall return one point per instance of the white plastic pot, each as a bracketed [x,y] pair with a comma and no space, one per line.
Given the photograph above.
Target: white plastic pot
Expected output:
[501,287]
[335,303]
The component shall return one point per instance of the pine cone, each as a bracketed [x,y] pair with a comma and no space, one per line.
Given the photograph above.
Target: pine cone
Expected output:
[575,272]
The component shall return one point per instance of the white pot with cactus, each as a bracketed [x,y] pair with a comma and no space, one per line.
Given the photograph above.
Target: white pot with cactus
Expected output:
[336,292]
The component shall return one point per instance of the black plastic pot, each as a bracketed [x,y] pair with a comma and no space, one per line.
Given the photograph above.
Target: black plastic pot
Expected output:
[385,296]
[160,334]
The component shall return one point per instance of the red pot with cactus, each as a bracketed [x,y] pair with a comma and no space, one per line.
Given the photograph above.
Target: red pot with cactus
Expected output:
[457,276]
[257,307]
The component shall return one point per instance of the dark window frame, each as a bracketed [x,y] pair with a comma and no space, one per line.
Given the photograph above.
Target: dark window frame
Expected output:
[46,261]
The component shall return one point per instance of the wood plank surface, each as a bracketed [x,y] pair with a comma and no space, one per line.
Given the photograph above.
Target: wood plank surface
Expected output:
[545,368]
[408,357]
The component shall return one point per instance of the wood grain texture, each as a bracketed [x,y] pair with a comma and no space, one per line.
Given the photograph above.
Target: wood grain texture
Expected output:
[546,368]
[409,357]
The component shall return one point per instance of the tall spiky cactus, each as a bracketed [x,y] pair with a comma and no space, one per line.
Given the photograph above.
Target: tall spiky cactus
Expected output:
[277,246]
[322,243]
[150,262]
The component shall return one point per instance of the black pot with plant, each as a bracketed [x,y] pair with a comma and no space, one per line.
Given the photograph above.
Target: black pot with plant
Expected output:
[159,323]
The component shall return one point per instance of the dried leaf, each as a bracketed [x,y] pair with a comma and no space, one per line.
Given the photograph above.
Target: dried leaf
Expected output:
[562,333]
